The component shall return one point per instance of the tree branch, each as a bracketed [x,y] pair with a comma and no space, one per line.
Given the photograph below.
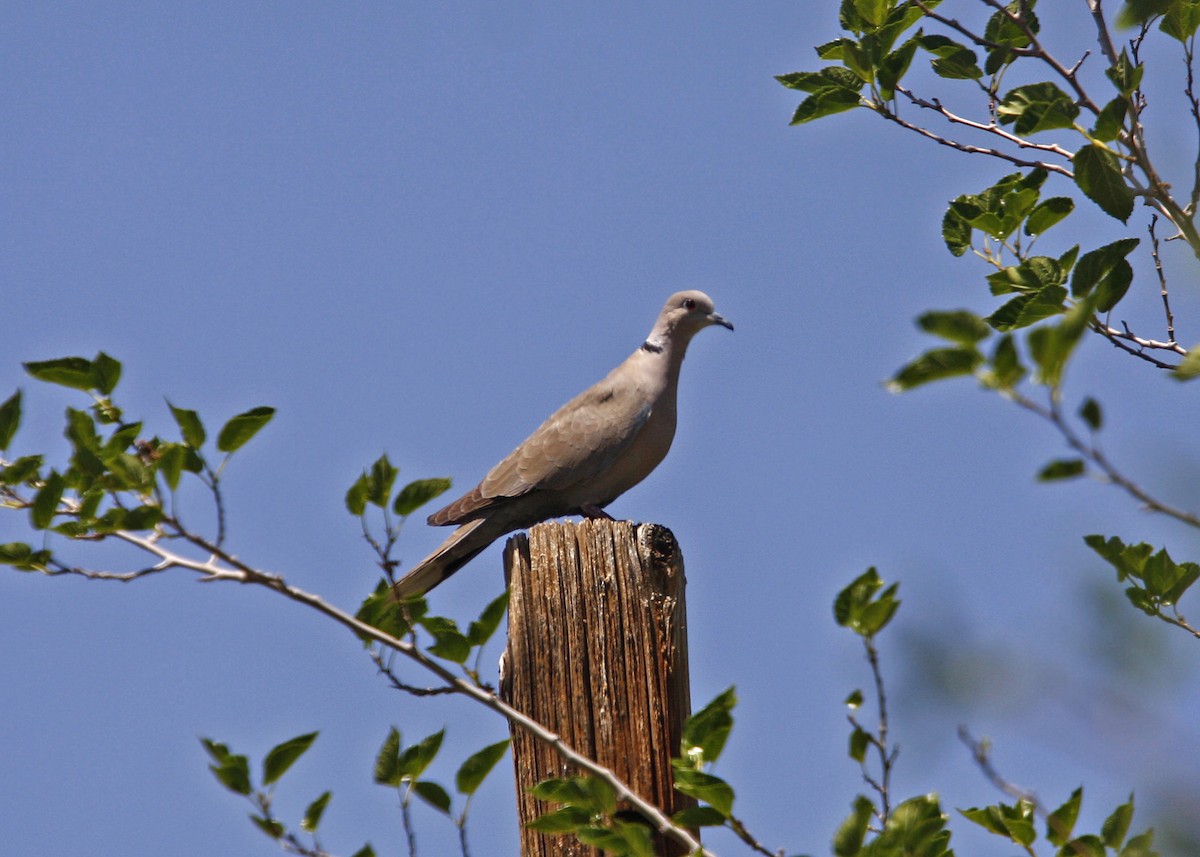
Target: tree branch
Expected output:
[221,566]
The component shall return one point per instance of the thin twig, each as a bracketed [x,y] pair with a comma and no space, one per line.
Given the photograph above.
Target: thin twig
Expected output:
[395,681]
[733,824]
[990,128]
[1162,280]
[886,113]
[1189,89]
[886,757]
[1096,456]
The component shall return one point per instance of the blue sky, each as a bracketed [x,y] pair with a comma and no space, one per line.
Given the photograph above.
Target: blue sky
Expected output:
[419,229]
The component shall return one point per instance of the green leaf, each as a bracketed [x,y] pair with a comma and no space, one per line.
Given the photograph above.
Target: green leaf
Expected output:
[860,741]
[1061,822]
[826,78]
[10,419]
[1112,288]
[23,469]
[704,787]
[1015,822]
[1063,468]
[1116,826]
[848,840]
[433,794]
[1140,846]
[380,610]
[450,643]
[215,749]
[826,102]
[568,819]
[142,518]
[416,494]
[1029,308]
[1125,76]
[956,231]
[1111,120]
[935,365]
[1005,32]
[380,480]
[235,433]
[312,815]
[365,851]
[387,767]
[1005,368]
[481,629]
[833,51]
[356,496]
[475,769]
[1098,175]
[15,553]
[872,12]
[1181,20]
[73,372]
[233,772]
[1104,268]
[961,326]
[589,794]
[1031,275]
[270,826]
[1136,12]
[190,426]
[106,372]
[1187,369]
[1037,107]
[952,60]
[1084,846]
[706,731]
[45,502]
[1048,213]
[1052,345]
[862,608]
[132,473]
[413,760]
[893,68]
[698,816]
[171,463]
[854,700]
[1091,414]
[282,756]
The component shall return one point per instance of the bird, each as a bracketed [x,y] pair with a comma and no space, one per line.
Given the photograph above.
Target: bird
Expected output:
[586,454]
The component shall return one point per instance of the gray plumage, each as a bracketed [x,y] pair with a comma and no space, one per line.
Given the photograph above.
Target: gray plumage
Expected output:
[590,451]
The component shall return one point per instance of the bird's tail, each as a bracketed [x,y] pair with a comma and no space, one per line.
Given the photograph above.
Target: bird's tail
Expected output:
[463,545]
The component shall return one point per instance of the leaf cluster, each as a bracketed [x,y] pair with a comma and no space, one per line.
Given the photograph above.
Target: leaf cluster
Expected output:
[588,808]
[1017,823]
[116,479]
[232,771]
[1155,581]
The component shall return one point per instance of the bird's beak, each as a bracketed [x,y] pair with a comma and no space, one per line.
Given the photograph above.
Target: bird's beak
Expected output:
[715,318]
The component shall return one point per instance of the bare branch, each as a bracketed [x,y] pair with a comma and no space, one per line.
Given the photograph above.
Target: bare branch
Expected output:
[1162,280]
[1092,453]
[883,111]
[990,127]
[1102,36]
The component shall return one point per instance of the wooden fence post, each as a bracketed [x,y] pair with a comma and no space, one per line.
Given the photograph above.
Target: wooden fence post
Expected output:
[597,653]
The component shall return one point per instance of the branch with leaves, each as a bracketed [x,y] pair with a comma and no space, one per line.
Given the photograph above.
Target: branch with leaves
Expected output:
[120,486]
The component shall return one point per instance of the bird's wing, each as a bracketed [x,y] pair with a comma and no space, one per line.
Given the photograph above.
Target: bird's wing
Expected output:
[576,444]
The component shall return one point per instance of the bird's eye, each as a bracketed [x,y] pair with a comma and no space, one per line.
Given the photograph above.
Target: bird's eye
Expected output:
[690,303]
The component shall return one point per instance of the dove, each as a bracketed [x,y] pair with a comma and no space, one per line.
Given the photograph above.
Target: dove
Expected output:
[590,451]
